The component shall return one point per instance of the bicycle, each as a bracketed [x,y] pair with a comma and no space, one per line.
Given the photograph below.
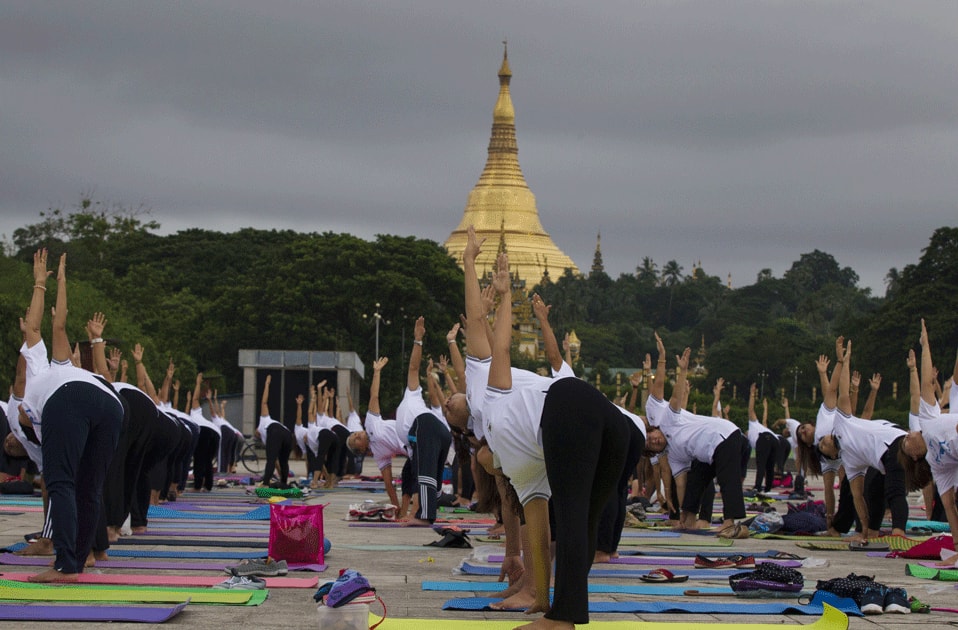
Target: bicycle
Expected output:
[248,457]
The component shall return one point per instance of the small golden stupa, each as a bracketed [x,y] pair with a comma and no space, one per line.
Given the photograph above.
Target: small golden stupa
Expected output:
[501,206]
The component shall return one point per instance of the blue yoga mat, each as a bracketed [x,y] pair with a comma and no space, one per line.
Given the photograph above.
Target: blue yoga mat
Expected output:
[702,574]
[628,589]
[257,514]
[815,607]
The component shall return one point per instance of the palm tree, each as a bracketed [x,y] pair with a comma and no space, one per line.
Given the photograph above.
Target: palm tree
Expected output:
[671,275]
[647,272]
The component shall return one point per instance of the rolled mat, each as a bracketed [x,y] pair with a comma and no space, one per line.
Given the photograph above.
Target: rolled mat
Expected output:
[706,574]
[815,607]
[831,619]
[137,579]
[141,614]
[932,573]
[628,589]
[41,593]
[40,561]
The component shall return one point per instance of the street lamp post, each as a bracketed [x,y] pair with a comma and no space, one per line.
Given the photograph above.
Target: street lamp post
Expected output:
[796,372]
[763,374]
[377,318]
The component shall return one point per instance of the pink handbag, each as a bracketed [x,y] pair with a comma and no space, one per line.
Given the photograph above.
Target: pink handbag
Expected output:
[296,533]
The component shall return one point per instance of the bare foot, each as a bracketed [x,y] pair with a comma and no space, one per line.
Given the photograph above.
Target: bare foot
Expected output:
[519,601]
[700,524]
[52,575]
[416,522]
[40,547]
[601,556]
[547,624]
[139,529]
[497,530]
[514,588]
[101,555]
[112,533]
[90,561]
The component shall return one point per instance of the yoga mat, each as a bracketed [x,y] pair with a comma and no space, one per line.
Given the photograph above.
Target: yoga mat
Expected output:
[258,514]
[142,614]
[384,547]
[246,527]
[831,619]
[927,526]
[473,569]
[137,579]
[673,542]
[775,536]
[259,543]
[201,555]
[628,589]
[896,543]
[262,535]
[672,562]
[23,592]
[846,606]
[668,534]
[771,553]
[931,573]
[41,561]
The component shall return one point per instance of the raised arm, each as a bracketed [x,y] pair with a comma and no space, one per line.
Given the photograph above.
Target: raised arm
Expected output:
[264,404]
[142,377]
[415,357]
[477,344]
[299,409]
[914,384]
[34,315]
[765,412]
[500,370]
[197,389]
[853,390]
[873,383]
[167,381]
[844,382]
[61,350]
[717,397]
[94,332]
[821,366]
[836,372]
[657,388]
[928,378]
[432,386]
[378,366]
[455,356]
[679,394]
[635,380]
[113,362]
[549,343]
[752,395]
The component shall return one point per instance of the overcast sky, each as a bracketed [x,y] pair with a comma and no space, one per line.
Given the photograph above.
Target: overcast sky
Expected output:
[741,134]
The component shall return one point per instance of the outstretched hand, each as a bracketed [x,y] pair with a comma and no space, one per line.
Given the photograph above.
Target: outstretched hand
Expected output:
[540,308]
[380,363]
[95,325]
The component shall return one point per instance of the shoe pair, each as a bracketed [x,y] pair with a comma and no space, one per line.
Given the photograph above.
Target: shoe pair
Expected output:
[242,583]
[731,562]
[258,567]
[880,599]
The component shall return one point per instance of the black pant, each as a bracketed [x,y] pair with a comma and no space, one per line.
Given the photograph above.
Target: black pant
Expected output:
[585,442]
[153,474]
[184,471]
[765,461]
[845,515]
[782,450]
[206,448]
[81,427]
[613,514]
[136,439]
[705,502]
[430,441]
[279,444]
[887,490]
[342,451]
[726,468]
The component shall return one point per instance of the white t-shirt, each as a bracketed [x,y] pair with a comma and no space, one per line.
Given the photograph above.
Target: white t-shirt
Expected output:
[914,422]
[34,452]
[792,425]
[655,410]
[264,423]
[326,422]
[863,442]
[477,378]
[43,379]
[512,418]
[755,429]
[384,439]
[411,407]
[692,437]
[196,415]
[941,438]
[353,423]
[636,420]
[299,432]
[824,422]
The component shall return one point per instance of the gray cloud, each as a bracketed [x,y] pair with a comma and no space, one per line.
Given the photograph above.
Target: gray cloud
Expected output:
[741,134]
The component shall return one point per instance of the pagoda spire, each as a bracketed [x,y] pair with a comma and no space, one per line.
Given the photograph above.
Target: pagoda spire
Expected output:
[501,203]
[597,265]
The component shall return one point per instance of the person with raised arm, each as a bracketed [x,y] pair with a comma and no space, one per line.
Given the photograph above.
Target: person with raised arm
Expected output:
[764,442]
[864,444]
[789,427]
[75,416]
[929,453]
[277,439]
[381,438]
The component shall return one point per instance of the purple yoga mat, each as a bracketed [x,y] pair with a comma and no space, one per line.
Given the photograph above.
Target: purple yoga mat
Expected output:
[204,533]
[673,562]
[40,561]
[36,612]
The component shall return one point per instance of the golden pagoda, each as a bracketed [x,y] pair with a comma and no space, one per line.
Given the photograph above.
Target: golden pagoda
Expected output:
[502,206]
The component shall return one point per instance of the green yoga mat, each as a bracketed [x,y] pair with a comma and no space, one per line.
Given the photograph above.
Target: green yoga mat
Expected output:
[831,619]
[931,573]
[704,541]
[26,591]
[896,543]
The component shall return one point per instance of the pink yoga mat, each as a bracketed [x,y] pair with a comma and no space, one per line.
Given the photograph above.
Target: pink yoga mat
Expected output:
[129,579]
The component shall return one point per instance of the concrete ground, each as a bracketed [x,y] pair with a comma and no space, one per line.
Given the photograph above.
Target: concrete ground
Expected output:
[398,575]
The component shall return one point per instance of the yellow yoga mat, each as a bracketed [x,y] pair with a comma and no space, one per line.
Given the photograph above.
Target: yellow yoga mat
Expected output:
[120,595]
[831,619]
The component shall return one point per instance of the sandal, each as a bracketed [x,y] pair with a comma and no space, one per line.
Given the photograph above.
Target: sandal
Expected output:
[737,531]
[662,575]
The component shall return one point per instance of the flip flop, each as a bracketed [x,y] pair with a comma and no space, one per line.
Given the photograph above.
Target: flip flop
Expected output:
[662,575]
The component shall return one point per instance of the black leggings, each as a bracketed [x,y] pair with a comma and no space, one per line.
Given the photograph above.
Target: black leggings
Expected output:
[585,443]
[279,444]
[203,455]
[430,441]
[887,490]
[613,515]
[765,461]
[726,468]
